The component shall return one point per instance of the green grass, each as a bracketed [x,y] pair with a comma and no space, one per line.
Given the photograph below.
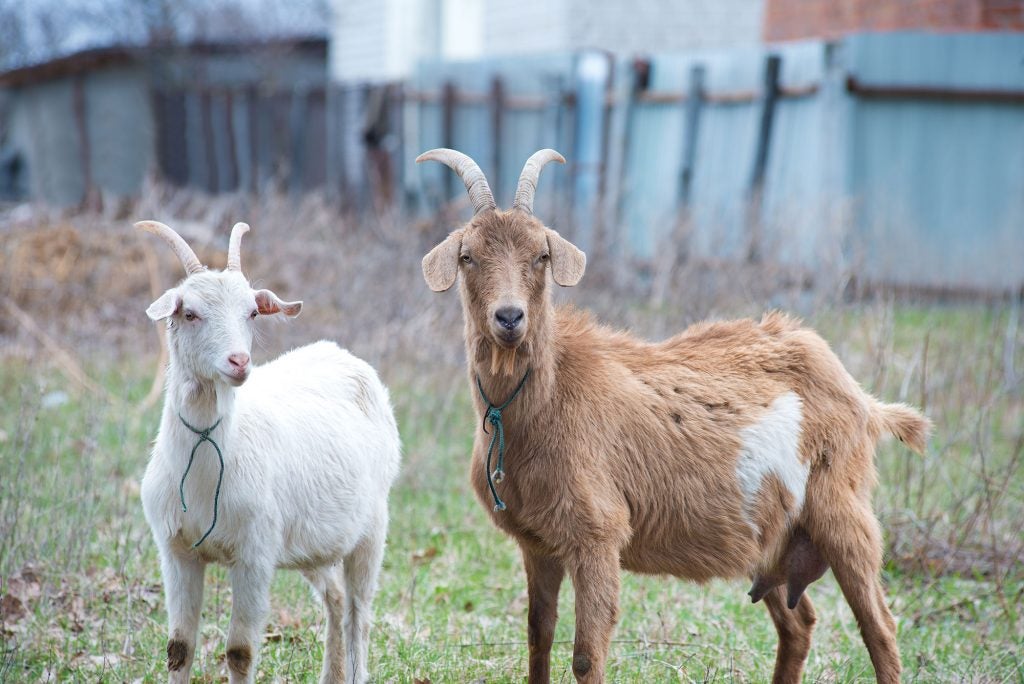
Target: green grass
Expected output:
[452,603]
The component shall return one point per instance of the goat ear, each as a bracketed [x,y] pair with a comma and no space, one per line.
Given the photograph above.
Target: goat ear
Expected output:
[567,261]
[268,303]
[167,305]
[441,264]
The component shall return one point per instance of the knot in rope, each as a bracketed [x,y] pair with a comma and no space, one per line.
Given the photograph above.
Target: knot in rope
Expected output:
[493,416]
[204,436]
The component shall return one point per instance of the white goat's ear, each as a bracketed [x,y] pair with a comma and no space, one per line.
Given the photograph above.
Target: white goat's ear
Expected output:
[167,305]
[269,303]
[567,261]
[441,264]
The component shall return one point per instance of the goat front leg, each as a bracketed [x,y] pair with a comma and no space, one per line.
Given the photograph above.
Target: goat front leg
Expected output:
[543,580]
[250,604]
[595,576]
[183,589]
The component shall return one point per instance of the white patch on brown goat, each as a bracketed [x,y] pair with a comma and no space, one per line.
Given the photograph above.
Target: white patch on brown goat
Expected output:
[771,446]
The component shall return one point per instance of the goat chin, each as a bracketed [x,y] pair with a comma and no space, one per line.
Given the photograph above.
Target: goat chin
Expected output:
[503,360]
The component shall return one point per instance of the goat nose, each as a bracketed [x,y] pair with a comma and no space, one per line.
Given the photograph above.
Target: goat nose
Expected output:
[509,317]
[239,361]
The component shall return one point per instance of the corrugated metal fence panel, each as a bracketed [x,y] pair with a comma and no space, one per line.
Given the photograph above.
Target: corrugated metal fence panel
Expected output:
[525,127]
[939,181]
[805,176]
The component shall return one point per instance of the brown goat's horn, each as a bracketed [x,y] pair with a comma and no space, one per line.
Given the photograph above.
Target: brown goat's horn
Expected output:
[188,258]
[528,178]
[479,191]
[235,246]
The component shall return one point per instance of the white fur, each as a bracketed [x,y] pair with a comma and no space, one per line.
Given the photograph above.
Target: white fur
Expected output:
[771,446]
[310,452]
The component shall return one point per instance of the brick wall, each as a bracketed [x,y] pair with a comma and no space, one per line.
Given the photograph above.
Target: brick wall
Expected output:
[798,19]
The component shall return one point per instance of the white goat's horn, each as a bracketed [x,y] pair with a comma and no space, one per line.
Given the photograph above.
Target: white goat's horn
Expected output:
[188,258]
[235,246]
[470,173]
[528,178]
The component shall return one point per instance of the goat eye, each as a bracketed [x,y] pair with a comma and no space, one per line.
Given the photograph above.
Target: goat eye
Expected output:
[253,313]
[545,256]
[190,315]
[466,259]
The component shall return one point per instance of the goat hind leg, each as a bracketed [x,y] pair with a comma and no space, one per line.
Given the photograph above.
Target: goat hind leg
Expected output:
[543,580]
[362,568]
[794,628]
[847,534]
[327,583]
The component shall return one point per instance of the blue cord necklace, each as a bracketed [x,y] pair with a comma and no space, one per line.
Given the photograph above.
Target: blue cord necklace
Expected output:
[493,416]
[204,436]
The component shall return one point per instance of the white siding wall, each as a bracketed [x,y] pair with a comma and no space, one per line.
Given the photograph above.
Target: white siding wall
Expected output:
[526,27]
[379,40]
[646,26]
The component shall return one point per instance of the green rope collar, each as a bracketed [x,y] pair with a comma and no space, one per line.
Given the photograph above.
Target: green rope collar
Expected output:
[493,416]
[204,436]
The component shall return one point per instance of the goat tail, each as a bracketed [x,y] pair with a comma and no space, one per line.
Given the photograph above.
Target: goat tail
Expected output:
[905,423]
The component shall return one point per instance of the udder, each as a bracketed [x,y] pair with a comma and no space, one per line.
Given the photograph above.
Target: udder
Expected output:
[800,565]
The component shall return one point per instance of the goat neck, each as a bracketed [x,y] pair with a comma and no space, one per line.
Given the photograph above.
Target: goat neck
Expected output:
[500,370]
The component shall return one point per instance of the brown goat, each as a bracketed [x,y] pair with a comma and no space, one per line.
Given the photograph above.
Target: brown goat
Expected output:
[734,449]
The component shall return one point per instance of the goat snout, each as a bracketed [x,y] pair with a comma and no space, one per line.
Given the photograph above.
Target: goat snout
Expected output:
[239,362]
[509,317]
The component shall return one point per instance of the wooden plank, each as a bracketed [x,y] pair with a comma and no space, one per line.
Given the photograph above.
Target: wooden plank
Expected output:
[911,92]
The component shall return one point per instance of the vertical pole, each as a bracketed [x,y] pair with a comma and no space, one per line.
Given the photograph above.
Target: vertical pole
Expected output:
[240,135]
[497,112]
[592,72]
[84,147]
[297,127]
[209,142]
[691,129]
[756,195]
[448,103]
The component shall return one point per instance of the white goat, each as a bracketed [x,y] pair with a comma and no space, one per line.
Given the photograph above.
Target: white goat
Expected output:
[300,457]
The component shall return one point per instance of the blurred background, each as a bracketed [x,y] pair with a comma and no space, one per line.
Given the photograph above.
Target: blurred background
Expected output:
[884,133]
[859,163]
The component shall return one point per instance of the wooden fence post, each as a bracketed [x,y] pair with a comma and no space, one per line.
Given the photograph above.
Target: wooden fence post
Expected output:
[497,113]
[691,130]
[448,103]
[764,134]
[297,127]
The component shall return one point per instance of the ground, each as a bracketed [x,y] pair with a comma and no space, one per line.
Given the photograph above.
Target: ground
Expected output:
[80,593]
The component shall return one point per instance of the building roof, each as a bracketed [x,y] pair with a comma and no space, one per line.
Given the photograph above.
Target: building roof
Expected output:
[92,59]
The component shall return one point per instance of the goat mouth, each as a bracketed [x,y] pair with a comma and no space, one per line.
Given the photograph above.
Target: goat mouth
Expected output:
[508,339]
[235,379]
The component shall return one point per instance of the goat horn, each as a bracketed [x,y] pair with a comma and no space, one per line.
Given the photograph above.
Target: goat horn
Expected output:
[476,184]
[235,246]
[528,178]
[188,258]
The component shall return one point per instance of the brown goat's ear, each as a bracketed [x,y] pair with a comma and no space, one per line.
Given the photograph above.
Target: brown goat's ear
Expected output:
[441,264]
[167,305]
[567,261]
[268,303]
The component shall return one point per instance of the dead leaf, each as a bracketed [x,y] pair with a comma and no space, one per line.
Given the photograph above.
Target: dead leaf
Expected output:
[12,608]
[424,554]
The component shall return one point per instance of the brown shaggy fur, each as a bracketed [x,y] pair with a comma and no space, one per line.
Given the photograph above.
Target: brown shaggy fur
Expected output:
[622,453]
